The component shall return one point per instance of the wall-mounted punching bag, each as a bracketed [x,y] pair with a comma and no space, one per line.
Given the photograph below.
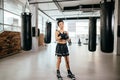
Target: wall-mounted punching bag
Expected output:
[106,27]
[38,32]
[92,34]
[34,31]
[26,36]
[48,32]
[118,31]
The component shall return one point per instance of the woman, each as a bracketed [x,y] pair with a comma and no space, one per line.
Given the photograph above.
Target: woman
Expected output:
[62,49]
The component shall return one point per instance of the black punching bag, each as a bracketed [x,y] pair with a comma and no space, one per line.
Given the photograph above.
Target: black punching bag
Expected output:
[92,34]
[48,33]
[34,32]
[106,27]
[26,40]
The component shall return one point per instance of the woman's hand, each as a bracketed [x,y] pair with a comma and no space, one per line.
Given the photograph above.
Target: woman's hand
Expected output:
[68,39]
[59,37]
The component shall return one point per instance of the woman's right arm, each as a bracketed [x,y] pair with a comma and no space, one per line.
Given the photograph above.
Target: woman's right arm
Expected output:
[56,36]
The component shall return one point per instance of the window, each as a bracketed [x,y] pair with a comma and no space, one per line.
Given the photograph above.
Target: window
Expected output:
[1,15]
[14,6]
[12,15]
[12,19]
[1,28]
[79,29]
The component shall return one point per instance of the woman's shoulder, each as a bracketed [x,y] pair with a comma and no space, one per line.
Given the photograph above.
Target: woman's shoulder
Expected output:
[57,31]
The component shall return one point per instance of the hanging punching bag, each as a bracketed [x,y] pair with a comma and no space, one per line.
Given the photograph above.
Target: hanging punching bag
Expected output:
[106,27]
[92,34]
[48,33]
[26,31]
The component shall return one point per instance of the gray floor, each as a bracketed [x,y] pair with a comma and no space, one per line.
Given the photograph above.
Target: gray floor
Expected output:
[40,65]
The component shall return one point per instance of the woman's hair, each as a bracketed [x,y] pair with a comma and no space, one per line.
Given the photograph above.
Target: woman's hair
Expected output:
[59,22]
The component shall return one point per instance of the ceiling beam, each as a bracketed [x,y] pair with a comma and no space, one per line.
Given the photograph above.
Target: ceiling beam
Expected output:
[45,14]
[51,10]
[58,5]
[41,2]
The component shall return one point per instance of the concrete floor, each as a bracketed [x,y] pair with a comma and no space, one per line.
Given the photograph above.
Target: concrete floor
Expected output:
[41,65]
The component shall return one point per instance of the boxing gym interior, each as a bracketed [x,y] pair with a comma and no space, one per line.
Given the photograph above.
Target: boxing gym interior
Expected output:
[27,39]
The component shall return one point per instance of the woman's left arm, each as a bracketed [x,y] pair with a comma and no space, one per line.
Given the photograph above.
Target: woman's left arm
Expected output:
[68,36]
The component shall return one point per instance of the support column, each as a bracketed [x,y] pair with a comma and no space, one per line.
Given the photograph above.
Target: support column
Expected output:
[117,27]
[34,11]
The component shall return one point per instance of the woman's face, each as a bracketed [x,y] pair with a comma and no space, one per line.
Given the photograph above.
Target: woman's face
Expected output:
[61,25]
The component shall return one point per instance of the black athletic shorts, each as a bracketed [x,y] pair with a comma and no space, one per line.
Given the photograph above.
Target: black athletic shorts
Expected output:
[62,50]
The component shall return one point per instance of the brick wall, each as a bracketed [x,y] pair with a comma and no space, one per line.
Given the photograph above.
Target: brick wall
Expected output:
[10,43]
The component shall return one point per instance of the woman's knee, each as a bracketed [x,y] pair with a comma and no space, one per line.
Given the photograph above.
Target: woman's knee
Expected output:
[67,60]
[59,59]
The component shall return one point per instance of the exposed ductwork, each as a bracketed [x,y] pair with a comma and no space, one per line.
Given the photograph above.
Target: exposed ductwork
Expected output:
[86,7]
[82,7]
[74,18]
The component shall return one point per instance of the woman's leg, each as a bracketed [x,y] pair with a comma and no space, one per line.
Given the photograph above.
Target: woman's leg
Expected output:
[58,62]
[58,67]
[68,67]
[67,62]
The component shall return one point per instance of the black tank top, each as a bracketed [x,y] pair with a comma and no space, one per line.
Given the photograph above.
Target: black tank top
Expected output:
[61,33]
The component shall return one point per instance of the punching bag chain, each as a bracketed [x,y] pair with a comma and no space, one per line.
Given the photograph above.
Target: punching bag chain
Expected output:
[26,5]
